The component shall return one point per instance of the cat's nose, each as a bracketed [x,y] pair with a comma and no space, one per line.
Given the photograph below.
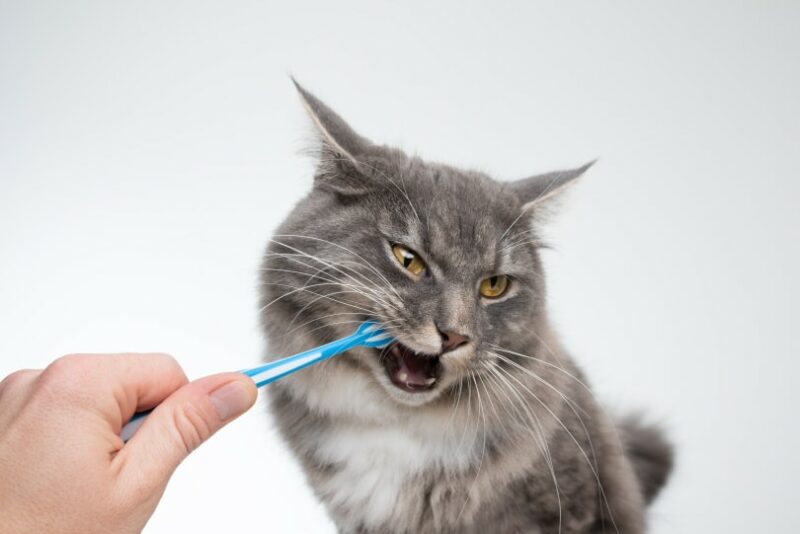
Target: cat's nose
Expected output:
[452,340]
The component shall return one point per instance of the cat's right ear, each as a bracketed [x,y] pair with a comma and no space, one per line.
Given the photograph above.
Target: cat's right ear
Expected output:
[536,190]
[338,149]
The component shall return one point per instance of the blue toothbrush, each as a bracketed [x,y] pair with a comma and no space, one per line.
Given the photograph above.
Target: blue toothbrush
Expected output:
[369,334]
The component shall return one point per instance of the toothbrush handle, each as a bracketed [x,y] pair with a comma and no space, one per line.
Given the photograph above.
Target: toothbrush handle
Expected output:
[270,372]
[133,425]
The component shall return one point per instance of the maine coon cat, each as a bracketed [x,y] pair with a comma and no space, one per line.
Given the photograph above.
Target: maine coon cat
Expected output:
[476,420]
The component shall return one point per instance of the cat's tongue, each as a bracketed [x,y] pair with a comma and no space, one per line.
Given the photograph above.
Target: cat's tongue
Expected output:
[412,371]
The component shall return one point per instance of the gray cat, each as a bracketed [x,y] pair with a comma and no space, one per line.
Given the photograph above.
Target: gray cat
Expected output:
[476,420]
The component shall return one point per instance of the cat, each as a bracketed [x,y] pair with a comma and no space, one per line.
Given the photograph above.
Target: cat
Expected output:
[475,419]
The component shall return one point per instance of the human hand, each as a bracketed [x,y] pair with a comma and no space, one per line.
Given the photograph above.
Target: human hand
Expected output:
[63,466]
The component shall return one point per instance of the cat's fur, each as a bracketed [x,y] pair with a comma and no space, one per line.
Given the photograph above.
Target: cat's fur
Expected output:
[510,439]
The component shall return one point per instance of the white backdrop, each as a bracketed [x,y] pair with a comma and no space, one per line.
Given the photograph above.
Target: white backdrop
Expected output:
[148,149]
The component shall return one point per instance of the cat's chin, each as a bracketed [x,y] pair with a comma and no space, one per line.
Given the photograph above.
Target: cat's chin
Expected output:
[405,398]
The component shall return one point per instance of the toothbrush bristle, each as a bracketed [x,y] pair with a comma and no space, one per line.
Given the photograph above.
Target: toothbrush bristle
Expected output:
[378,338]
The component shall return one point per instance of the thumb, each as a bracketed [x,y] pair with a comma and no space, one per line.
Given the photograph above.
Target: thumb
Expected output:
[180,424]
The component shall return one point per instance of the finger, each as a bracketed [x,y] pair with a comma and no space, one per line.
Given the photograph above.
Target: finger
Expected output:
[116,385]
[15,389]
[18,380]
[179,425]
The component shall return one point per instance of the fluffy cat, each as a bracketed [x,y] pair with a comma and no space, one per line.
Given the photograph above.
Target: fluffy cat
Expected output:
[476,420]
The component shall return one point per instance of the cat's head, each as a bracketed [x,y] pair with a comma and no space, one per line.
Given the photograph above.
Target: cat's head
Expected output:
[446,259]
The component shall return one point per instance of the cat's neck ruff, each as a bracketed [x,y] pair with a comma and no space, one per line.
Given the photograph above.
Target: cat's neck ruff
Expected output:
[378,446]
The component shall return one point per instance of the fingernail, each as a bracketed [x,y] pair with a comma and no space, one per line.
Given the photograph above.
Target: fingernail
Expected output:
[231,400]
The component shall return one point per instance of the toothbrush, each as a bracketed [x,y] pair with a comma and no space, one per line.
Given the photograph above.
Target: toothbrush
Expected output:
[369,334]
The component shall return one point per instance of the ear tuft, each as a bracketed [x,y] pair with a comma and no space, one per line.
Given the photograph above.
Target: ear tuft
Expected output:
[332,128]
[537,189]
[339,148]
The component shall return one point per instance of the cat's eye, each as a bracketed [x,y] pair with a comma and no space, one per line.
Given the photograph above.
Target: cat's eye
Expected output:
[494,286]
[409,259]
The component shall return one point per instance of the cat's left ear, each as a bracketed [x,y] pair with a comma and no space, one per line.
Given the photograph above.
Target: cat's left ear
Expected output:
[340,148]
[537,189]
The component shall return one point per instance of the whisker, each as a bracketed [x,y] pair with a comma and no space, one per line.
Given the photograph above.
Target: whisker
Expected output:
[572,437]
[363,260]
[483,449]
[324,262]
[376,293]
[327,316]
[541,440]
[306,289]
[544,362]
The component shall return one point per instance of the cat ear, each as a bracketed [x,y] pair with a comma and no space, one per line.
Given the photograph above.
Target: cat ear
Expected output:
[537,189]
[339,149]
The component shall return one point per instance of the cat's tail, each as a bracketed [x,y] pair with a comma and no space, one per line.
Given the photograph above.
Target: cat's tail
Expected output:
[651,454]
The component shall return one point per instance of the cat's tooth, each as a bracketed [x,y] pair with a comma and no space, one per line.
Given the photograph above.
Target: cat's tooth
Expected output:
[430,381]
[403,377]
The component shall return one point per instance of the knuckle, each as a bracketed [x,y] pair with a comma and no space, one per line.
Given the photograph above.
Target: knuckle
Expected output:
[168,365]
[67,364]
[171,362]
[66,372]
[17,378]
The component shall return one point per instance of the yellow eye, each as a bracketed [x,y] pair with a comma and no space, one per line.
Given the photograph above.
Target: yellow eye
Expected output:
[494,286]
[408,259]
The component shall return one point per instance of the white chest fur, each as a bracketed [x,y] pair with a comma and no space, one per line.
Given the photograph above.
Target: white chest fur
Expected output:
[376,447]
[375,461]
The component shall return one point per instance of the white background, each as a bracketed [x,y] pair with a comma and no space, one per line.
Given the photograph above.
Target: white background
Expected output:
[148,149]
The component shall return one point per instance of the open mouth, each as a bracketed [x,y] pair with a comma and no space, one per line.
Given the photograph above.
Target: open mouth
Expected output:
[411,371]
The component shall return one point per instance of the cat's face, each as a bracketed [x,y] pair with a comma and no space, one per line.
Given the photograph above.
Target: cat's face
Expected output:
[445,259]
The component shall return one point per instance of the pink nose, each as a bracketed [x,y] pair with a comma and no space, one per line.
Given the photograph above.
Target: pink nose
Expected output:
[452,340]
